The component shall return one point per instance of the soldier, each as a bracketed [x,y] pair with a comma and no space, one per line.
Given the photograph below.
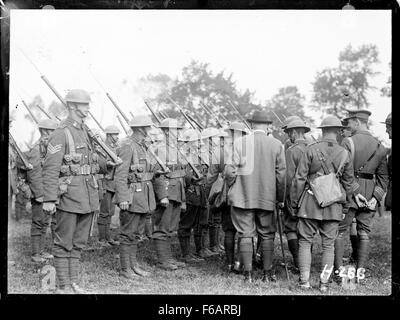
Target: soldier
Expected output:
[219,201]
[295,130]
[370,171]
[287,143]
[40,221]
[196,214]
[107,208]
[134,193]
[388,198]
[70,188]
[319,157]
[170,190]
[257,181]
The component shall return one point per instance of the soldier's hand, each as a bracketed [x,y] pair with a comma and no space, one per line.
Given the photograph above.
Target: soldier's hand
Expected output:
[124,205]
[183,207]
[361,200]
[164,202]
[281,205]
[49,207]
[40,199]
[371,204]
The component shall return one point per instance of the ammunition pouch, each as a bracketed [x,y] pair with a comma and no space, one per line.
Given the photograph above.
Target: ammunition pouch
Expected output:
[78,170]
[24,188]
[63,183]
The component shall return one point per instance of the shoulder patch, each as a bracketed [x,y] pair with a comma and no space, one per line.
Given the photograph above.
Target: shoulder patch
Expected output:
[53,149]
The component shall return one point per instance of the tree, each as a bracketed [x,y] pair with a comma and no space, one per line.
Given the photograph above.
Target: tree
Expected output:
[347,85]
[386,91]
[288,102]
[198,84]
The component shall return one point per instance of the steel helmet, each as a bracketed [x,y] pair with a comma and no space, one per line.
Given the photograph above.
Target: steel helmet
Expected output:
[209,133]
[190,135]
[170,123]
[223,133]
[297,123]
[331,122]
[111,130]
[49,124]
[288,120]
[78,96]
[140,121]
[388,119]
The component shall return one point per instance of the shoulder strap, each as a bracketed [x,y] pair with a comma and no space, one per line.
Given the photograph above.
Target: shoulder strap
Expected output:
[329,167]
[70,141]
[371,156]
[322,158]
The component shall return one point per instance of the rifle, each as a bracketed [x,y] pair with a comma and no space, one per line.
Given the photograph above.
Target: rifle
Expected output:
[164,114]
[277,117]
[122,124]
[220,113]
[240,116]
[211,114]
[35,120]
[47,114]
[25,162]
[95,120]
[192,166]
[195,121]
[130,112]
[278,213]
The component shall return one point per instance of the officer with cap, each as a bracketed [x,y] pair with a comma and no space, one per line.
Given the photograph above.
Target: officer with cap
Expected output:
[70,188]
[295,130]
[315,161]
[388,198]
[370,170]
[40,221]
[170,190]
[255,190]
[134,193]
[196,212]
[107,208]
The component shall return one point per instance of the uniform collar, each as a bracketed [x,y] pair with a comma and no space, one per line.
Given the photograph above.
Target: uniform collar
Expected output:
[74,123]
[300,140]
[366,132]
[329,140]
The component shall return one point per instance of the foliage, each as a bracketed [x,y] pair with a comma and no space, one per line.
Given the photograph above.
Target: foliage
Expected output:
[347,85]
[386,91]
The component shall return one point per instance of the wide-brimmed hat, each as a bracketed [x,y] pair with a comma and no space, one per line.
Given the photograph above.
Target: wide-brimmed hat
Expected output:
[331,122]
[259,116]
[388,119]
[297,123]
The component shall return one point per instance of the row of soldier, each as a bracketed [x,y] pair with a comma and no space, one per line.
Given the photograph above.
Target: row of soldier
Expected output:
[190,181]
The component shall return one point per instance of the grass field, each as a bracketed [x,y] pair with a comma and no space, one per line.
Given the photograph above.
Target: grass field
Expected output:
[99,273]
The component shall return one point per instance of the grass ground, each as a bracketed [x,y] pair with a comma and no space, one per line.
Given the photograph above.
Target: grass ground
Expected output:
[99,273]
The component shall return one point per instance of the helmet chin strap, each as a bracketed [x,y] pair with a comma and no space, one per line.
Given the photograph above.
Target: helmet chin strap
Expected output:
[78,111]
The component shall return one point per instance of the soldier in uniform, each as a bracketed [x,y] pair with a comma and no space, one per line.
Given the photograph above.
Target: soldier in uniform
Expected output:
[295,130]
[170,190]
[70,188]
[388,198]
[370,170]
[40,221]
[288,143]
[313,217]
[255,190]
[195,215]
[107,207]
[134,193]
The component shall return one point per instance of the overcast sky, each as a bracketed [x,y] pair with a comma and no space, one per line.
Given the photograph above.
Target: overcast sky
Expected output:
[265,50]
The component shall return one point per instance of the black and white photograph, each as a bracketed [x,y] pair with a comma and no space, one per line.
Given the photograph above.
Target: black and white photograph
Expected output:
[199,152]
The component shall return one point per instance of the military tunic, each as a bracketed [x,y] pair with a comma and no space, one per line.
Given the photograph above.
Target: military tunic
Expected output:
[293,155]
[372,177]
[69,170]
[388,198]
[107,207]
[171,186]
[134,184]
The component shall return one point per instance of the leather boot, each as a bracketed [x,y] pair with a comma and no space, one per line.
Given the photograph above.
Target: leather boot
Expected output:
[212,231]
[62,272]
[293,245]
[248,276]
[354,246]
[205,250]
[246,253]
[362,252]
[110,240]
[35,240]
[229,242]
[185,249]
[162,255]
[268,276]
[43,253]
[267,253]
[125,271]
[135,264]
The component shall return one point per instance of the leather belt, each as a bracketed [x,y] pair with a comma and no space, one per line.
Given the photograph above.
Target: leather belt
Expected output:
[140,177]
[364,175]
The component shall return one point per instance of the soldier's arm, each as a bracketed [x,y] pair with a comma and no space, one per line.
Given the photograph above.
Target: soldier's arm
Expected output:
[382,179]
[52,164]
[34,176]
[280,174]
[160,182]
[291,163]
[121,174]
[300,178]
[347,178]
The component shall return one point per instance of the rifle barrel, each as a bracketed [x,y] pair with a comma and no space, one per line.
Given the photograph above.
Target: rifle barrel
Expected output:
[14,145]
[43,111]
[35,120]
[122,124]
[277,117]
[240,115]
[117,107]
[95,120]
